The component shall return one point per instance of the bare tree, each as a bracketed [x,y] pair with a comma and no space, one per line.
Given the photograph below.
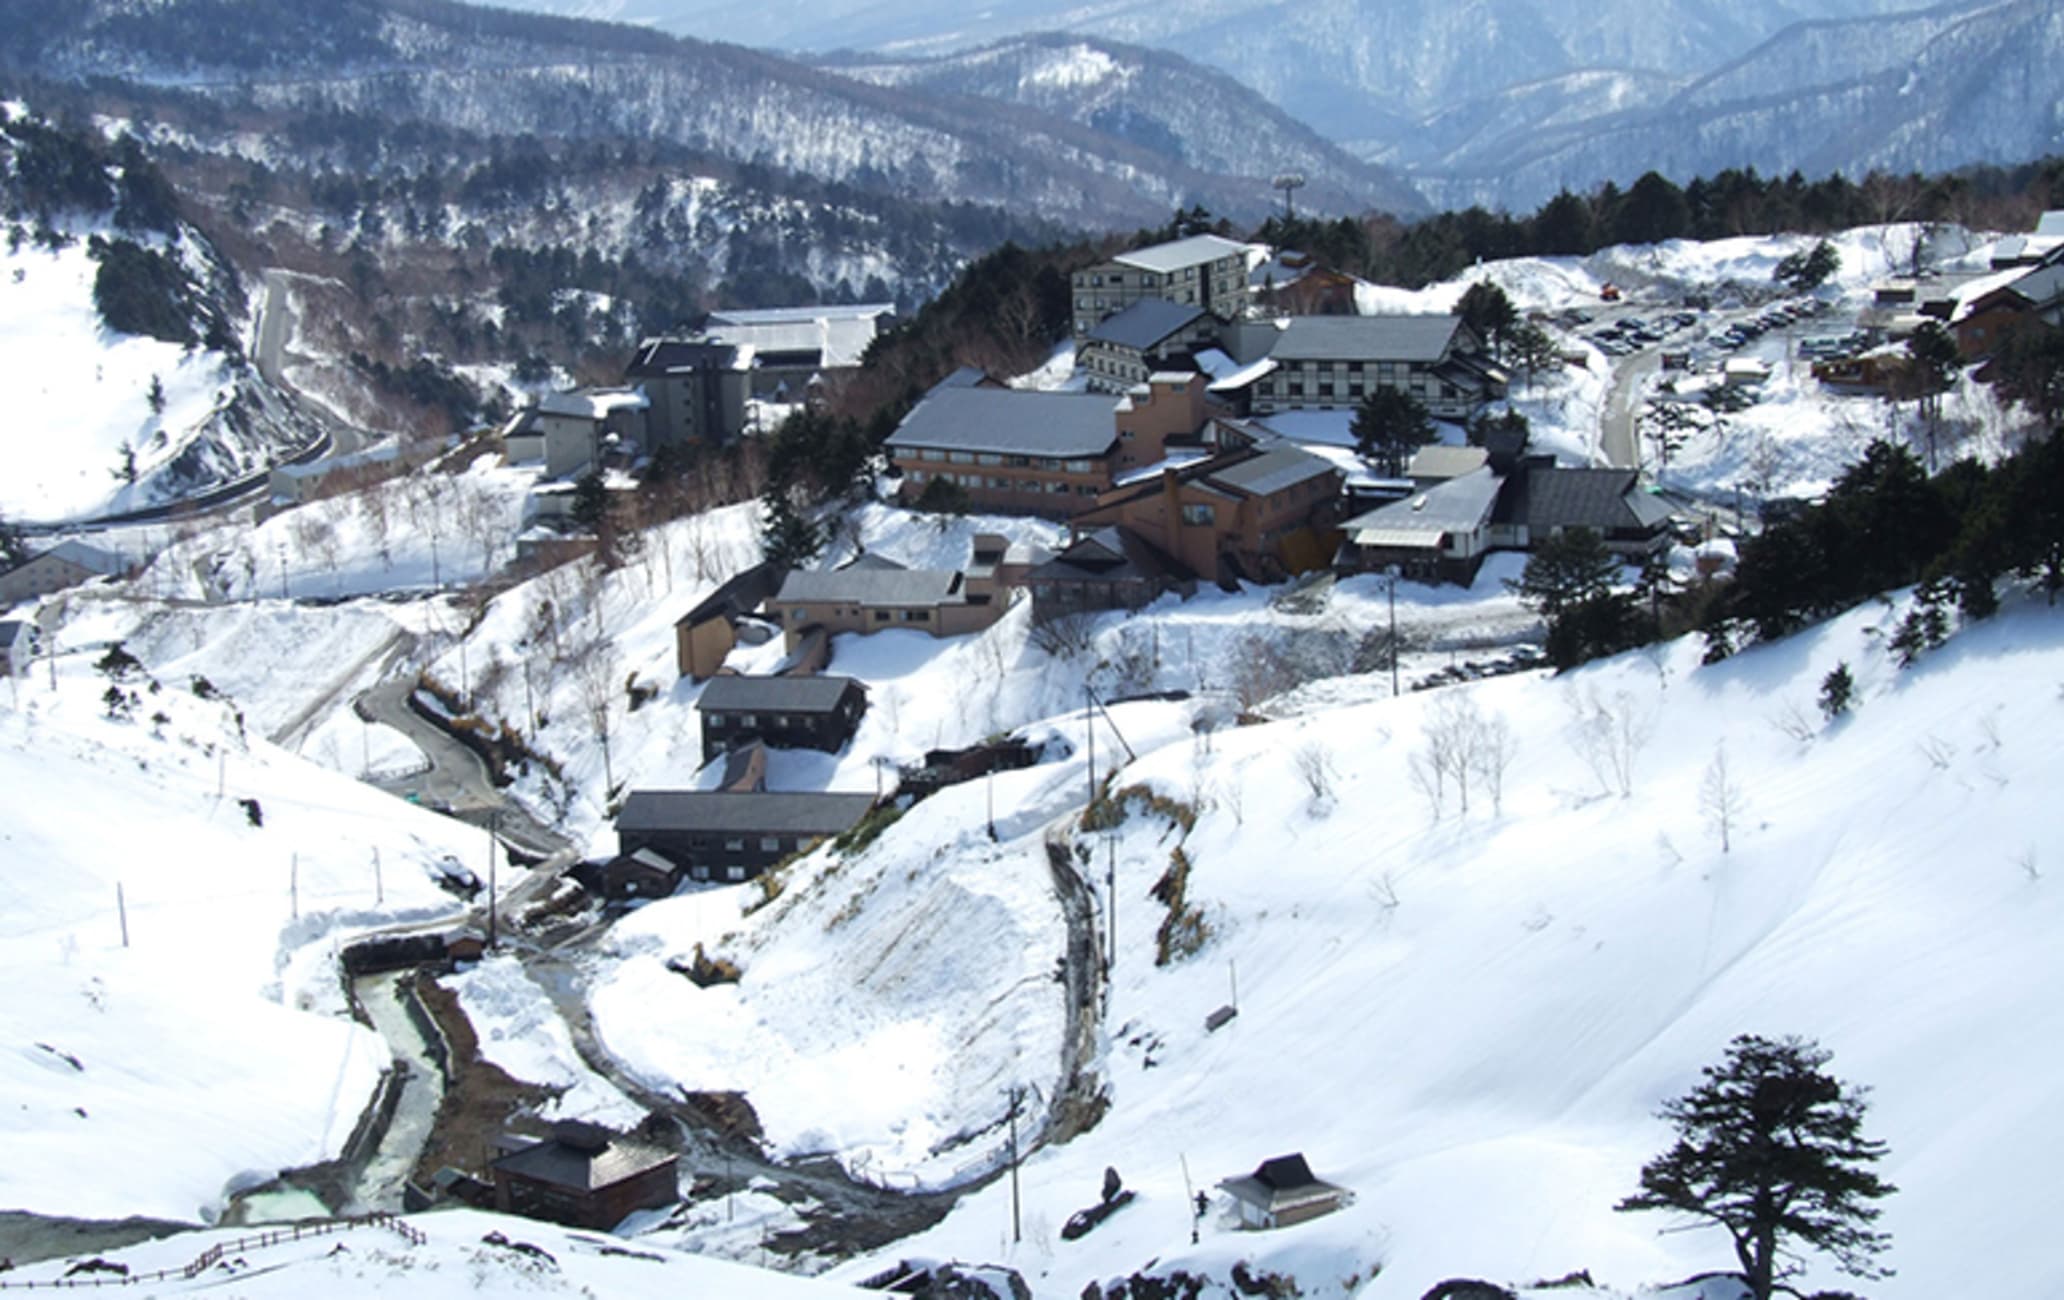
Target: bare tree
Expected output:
[1314,764]
[1494,751]
[1609,736]
[1720,798]
[595,676]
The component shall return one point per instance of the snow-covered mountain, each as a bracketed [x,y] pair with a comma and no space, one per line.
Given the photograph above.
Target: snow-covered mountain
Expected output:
[1505,101]
[1158,100]
[482,71]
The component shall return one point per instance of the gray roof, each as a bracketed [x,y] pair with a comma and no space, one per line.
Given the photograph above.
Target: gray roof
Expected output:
[12,629]
[745,813]
[1281,1184]
[872,586]
[775,694]
[1459,505]
[1442,461]
[740,595]
[658,358]
[574,1166]
[1272,471]
[1146,323]
[1177,254]
[1366,338]
[83,554]
[1547,498]
[2050,223]
[791,315]
[1010,422]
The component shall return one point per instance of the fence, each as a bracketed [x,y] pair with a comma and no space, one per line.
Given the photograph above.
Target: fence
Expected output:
[216,1253]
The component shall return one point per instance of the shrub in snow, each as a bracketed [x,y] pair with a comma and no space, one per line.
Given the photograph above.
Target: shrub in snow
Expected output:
[1837,692]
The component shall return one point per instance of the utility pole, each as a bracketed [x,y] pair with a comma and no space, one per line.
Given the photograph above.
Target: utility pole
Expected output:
[1015,1092]
[1111,891]
[379,892]
[1393,571]
[989,787]
[294,887]
[122,910]
[1089,729]
[494,823]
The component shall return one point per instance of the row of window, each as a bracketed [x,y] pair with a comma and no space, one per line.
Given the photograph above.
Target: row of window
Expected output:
[721,720]
[1005,460]
[1000,484]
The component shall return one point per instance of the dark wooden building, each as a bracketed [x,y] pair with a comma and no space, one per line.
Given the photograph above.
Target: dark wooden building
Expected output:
[586,1176]
[728,836]
[1281,1192]
[780,712]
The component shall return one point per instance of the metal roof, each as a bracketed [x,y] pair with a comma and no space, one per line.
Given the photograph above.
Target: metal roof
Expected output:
[774,694]
[1009,422]
[794,315]
[658,358]
[872,586]
[1145,323]
[1459,505]
[1366,338]
[1174,256]
[564,1165]
[1598,499]
[1442,461]
[1272,471]
[754,813]
[592,403]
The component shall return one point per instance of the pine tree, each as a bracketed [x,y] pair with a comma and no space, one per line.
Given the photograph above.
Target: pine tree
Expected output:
[1837,692]
[788,538]
[1771,1148]
[1389,426]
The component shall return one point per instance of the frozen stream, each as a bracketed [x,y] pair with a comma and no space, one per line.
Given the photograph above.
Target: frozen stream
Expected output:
[422,1092]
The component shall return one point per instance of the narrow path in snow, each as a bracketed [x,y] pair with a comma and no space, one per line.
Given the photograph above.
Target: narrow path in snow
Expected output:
[386,1172]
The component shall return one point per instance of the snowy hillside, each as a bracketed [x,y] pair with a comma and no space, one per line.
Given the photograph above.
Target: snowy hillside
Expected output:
[108,419]
[1468,1017]
[158,1062]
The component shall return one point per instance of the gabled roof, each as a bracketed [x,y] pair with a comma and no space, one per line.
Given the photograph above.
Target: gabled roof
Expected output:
[659,358]
[1146,324]
[1009,422]
[1272,471]
[1111,554]
[570,1159]
[739,595]
[1177,254]
[1459,505]
[1283,1183]
[1421,339]
[834,337]
[1549,497]
[871,586]
[83,554]
[758,812]
[775,694]
[793,315]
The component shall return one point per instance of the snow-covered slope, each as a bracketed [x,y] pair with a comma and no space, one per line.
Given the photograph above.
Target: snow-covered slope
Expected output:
[1468,1018]
[155,1060]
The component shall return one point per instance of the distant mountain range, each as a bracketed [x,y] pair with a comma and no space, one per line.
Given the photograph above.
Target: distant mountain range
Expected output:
[1505,101]
[495,72]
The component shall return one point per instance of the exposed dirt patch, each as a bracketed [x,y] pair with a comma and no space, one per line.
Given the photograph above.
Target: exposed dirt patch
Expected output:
[479,1099]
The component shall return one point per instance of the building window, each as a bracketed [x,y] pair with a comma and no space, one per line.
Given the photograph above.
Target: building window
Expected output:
[1197,514]
[881,616]
[1076,466]
[770,844]
[736,845]
[989,458]
[734,873]
[917,616]
[719,720]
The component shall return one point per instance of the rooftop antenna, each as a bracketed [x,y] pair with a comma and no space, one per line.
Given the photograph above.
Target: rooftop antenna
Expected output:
[1289,183]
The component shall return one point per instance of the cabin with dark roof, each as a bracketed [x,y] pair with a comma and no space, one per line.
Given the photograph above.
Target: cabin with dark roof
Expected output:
[720,835]
[1281,1192]
[585,1176]
[706,634]
[1110,568]
[780,712]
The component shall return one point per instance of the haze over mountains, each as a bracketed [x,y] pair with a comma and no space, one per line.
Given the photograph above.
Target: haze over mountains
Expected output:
[1504,101]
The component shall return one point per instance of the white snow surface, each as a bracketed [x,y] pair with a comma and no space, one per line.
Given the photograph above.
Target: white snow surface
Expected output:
[79,392]
[212,1048]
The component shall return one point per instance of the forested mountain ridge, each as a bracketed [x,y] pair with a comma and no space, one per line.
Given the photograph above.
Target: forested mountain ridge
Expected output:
[429,62]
